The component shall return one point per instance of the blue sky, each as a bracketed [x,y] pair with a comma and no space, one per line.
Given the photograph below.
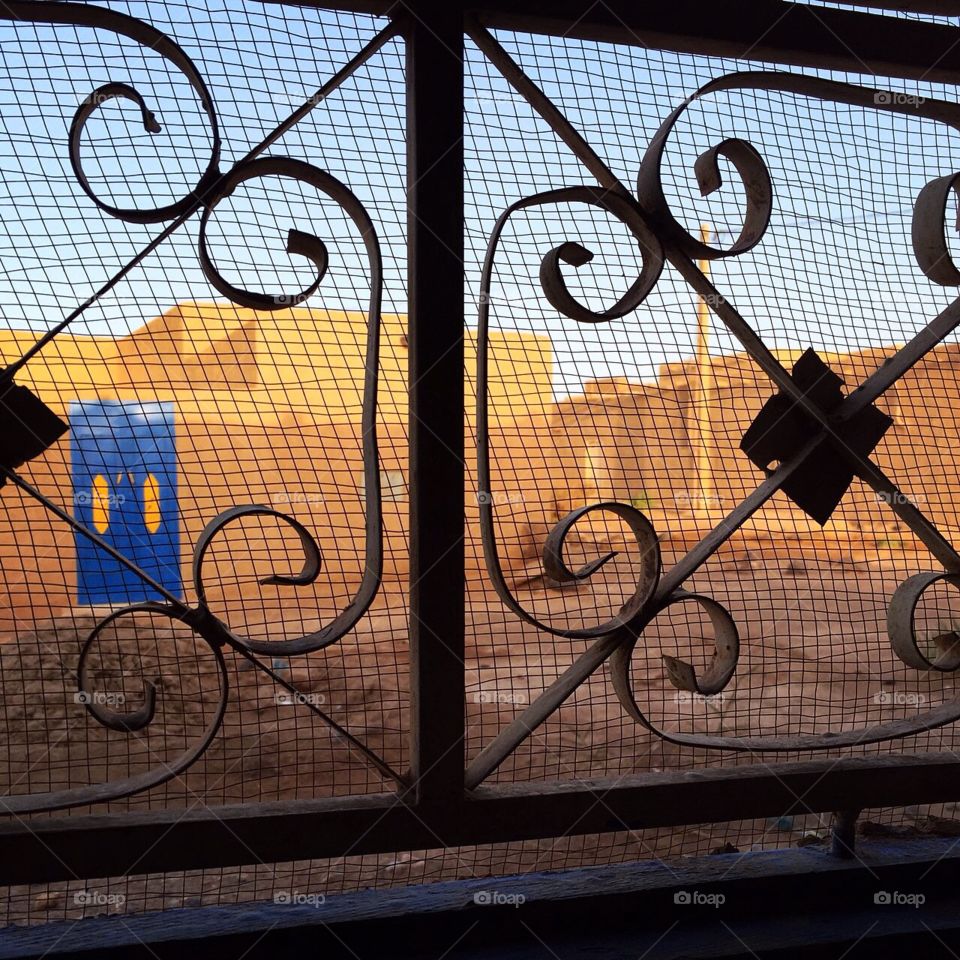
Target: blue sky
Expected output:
[834,271]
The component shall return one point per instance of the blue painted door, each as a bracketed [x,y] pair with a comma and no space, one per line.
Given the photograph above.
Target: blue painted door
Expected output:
[124,470]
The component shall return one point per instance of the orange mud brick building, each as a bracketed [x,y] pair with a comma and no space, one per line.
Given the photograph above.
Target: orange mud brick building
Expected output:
[266,408]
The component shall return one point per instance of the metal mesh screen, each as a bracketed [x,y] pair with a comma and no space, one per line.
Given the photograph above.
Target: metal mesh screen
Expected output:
[651,409]
[164,381]
[204,404]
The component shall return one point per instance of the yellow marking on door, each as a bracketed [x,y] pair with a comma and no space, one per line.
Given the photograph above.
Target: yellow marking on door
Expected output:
[151,503]
[100,503]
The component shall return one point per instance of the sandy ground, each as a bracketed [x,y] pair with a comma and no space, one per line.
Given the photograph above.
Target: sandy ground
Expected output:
[815,658]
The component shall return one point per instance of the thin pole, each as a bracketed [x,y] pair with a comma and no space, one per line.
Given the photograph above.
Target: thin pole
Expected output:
[704,390]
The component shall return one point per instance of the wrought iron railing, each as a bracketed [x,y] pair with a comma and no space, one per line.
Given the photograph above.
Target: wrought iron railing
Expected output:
[32,426]
[808,442]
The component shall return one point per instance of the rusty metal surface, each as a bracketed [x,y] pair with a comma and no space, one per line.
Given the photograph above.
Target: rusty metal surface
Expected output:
[29,426]
[781,428]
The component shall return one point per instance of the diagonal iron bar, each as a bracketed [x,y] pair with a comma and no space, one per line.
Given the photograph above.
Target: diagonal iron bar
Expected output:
[680,251]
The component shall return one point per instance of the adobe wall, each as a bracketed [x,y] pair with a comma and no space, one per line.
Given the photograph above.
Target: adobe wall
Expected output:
[671,447]
[267,410]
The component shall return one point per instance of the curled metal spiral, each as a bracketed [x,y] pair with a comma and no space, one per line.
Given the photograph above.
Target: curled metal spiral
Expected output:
[556,291]
[572,253]
[902,627]
[302,244]
[211,189]
[929,240]
[307,643]
[130,723]
[89,15]
[661,237]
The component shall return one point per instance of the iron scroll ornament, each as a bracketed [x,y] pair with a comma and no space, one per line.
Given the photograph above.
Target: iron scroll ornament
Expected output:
[211,189]
[662,238]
